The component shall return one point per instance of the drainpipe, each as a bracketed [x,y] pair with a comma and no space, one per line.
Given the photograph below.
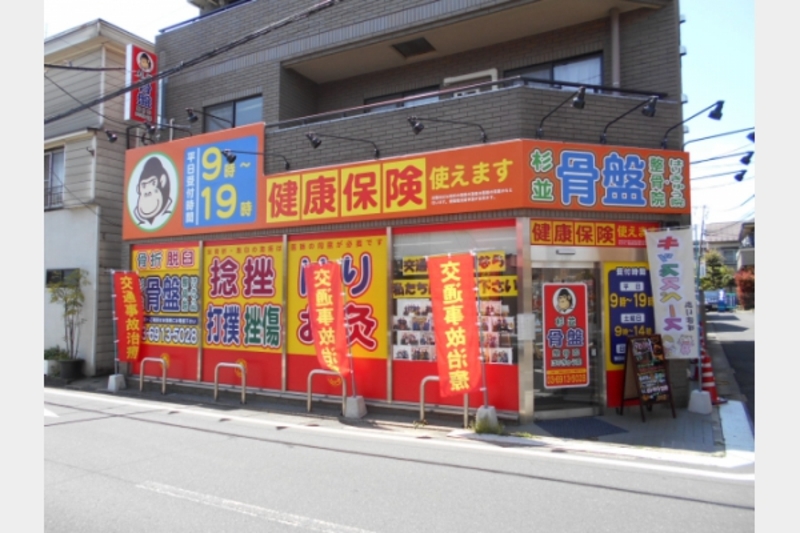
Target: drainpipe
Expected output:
[615,76]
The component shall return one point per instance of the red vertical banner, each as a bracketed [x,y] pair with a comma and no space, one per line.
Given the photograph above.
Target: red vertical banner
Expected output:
[326,316]
[566,335]
[455,323]
[141,104]
[129,313]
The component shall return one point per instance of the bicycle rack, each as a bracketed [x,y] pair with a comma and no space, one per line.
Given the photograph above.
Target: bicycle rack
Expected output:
[230,365]
[163,372]
[427,379]
[329,373]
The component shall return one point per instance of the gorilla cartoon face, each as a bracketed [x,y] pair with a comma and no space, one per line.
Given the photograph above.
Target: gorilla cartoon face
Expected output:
[154,192]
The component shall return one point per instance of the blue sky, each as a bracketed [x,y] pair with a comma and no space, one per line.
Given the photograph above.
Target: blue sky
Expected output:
[719,36]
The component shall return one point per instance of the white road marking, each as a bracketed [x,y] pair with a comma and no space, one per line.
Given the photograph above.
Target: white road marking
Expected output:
[49,413]
[724,462]
[310,524]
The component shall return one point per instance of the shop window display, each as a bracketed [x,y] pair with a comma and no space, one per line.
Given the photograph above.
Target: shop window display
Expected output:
[412,323]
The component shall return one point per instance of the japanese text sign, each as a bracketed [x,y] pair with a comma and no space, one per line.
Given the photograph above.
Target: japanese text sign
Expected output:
[243,295]
[490,287]
[362,256]
[455,323]
[607,178]
[170,276]
[669,253]
[326,313]
[588,233]
[565,320]
[141,104]
[189,185]
[629,297]
[128,314]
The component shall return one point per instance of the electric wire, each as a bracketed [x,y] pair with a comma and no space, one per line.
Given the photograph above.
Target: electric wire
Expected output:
[89,108]
[198,59]
[87,206]
[88,69]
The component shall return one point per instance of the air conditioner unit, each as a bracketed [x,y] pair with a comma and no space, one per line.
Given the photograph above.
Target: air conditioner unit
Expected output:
[467,80]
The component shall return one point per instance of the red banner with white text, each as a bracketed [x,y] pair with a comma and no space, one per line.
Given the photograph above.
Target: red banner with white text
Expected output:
[455,323]
[129,315]
[326,315]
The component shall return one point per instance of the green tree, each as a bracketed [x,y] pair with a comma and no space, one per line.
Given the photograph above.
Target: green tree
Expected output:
[718,275]
[68,292]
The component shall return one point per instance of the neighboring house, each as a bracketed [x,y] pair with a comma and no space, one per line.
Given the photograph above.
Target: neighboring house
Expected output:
[724,238]
[746,255]
[83,176]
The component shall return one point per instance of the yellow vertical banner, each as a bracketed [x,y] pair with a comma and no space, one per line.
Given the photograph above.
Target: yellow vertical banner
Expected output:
[169,275]
[243,283]
[363,267]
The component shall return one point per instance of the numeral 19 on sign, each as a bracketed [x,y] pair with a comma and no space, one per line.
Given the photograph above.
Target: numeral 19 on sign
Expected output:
[217,191]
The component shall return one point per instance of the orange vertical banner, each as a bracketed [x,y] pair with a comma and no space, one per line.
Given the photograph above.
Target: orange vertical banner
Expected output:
[129,314]
[455,323]
[326,316]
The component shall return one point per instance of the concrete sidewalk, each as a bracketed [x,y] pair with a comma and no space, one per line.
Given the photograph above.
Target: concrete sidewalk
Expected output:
[722,437]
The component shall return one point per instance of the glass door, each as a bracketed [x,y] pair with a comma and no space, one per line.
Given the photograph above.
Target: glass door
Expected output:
[550,397]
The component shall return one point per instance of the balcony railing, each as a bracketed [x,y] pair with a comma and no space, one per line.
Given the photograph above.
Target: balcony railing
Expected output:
[443,94]
[53,197]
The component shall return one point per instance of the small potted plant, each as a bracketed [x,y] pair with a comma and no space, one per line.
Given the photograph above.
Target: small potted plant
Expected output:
[52,356]
[68,292]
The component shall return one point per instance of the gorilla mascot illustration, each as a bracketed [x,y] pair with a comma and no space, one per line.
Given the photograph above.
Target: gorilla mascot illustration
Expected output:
[154,194]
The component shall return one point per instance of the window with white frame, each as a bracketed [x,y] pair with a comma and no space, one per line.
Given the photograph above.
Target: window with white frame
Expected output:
[54,178]
[581,70]
[232,114]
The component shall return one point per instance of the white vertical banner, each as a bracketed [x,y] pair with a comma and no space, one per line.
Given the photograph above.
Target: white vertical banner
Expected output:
[669,253]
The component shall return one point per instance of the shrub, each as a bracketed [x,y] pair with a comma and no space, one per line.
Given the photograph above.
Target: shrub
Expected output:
[56,353]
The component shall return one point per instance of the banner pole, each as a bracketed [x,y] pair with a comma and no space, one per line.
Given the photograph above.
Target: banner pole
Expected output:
[480,329]
[114,323]
[347,329]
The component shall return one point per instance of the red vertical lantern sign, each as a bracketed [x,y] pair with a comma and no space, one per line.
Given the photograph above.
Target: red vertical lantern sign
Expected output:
[128,315]
[455,323]
[326,315]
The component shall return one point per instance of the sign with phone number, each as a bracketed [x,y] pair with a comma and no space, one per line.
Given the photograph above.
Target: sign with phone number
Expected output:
[165,334]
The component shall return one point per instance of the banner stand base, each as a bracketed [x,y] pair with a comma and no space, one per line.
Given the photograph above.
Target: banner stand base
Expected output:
[355,407]
[700,402]
[486,417]
[116,382]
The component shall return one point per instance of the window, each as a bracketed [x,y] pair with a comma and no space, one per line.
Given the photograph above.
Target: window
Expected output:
[57,276]
[232,114]
[404,94]
[412,321]
[54,179]
[585,69]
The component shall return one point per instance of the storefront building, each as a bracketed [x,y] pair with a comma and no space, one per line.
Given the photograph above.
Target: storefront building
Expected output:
[335,168]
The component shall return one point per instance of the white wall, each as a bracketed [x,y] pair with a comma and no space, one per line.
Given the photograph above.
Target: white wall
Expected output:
[70,241]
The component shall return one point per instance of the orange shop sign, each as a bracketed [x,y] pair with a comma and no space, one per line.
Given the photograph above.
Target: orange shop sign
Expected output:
[588,233]
[188,186]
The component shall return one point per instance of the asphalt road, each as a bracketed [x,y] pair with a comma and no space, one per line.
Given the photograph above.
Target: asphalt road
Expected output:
[735,331]
[115,464]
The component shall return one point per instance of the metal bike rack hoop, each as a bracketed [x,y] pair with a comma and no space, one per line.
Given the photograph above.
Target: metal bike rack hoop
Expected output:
[329,373]
[230,365]
[163,372]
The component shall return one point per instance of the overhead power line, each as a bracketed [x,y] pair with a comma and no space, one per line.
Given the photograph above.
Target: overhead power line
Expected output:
[91,69]
[199,59]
